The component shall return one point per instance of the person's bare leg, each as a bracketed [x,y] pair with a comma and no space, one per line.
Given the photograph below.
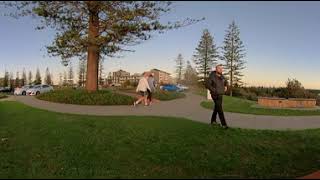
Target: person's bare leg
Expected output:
[145,100]
[139,100]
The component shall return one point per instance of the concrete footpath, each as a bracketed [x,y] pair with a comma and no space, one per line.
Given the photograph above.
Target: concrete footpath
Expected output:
[188,107]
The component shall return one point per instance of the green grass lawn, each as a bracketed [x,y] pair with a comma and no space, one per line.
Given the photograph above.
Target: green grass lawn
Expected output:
[82,97]
[41,144]
[238,105]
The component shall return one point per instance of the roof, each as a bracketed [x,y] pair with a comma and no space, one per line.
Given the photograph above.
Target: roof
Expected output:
[159,71]
[121,71]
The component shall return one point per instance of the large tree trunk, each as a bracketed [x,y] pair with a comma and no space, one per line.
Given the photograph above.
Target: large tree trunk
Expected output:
[93,52]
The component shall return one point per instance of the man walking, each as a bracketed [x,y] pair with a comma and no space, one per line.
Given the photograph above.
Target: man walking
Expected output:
[217,85]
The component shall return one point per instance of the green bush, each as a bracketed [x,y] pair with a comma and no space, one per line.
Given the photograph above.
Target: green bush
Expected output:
[83,97]
[251,96]
[251,93]
[167,95]
[2,95]
[245,93]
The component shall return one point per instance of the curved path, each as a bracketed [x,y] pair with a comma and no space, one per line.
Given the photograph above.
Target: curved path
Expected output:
[188,107]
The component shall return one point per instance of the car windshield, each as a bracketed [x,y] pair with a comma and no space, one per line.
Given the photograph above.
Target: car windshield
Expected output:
[37,86]
[28,86]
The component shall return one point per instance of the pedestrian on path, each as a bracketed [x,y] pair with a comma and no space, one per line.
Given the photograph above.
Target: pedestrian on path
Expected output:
[152,86]
[217,85]
[142,89]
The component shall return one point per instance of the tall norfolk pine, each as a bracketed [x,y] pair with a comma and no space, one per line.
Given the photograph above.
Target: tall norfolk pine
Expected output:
[179,67]
[206,55]
[95,28]
[233,54]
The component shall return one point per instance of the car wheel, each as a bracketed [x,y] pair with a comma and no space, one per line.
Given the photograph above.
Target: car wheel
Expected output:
[23,93]
[37,93]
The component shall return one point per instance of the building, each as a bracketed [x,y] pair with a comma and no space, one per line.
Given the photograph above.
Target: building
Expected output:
[120,77]
[134,79]
[161,77]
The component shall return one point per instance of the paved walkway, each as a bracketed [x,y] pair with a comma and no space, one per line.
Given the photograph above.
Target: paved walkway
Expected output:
[188,107]
[315,175]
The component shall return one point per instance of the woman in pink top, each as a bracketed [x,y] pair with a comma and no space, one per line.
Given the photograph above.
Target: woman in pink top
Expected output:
[142,89]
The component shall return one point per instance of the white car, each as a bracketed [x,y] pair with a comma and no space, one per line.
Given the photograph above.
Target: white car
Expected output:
[22,90]
[182,87]
[38,89]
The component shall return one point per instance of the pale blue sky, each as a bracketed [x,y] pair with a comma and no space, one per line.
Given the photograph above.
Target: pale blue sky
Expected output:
[281,39]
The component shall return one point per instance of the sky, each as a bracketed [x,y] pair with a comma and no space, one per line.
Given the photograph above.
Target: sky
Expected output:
[281,41]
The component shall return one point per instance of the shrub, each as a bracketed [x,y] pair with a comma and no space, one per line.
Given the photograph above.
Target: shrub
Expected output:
[167,95]
[126,83]
[82,97]
[235,92]
[251,96]
[2,95]
[134,84]
[281,92]
[245,93]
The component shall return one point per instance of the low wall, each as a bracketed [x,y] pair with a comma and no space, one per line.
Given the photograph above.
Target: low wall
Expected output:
[287,103]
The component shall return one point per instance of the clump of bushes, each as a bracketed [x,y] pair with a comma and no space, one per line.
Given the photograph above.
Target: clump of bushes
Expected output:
[167,95]
[83,97]
[293,89]
[2,95]
[244,93]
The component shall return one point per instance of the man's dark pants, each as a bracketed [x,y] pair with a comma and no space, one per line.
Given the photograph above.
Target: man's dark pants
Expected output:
[217,109]
[149,97]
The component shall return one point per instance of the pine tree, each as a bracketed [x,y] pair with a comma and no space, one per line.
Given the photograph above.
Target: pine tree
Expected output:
[17,80]
[38,77]
[97,27]
[30,78]
[179,67]
[24,78]
[48,78]
[70,74]
[11,80]
[82,70]
[233,54]
[60,79]
[6,80]
[65,81]
[101,60]
[190,75]
[206,55]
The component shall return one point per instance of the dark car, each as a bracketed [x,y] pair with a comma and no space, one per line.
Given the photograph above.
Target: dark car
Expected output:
[6,89]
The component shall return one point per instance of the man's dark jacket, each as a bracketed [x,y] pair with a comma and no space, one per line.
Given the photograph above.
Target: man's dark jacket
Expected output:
[216,84]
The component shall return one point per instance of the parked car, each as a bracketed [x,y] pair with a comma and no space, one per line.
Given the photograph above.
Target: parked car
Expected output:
[22,90]
[38,89]
[5,89]
[116,85]
[182,87]
[170,87]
